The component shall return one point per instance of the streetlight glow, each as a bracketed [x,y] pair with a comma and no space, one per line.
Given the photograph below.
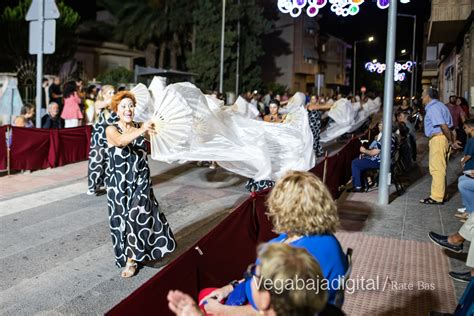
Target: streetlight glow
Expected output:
[404,51]
[371,39]
[374,61]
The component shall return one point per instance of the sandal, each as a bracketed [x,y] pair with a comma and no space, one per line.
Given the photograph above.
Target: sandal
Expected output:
[429,200]
[129,270]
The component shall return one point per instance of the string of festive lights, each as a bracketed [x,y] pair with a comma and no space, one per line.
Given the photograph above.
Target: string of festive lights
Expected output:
[339,7]
[398,74]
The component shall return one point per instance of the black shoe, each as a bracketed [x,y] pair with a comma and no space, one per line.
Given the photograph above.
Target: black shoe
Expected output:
[461,276]
[355,190]
[442,241]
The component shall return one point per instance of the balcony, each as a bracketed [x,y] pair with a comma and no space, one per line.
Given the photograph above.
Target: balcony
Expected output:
[448,18]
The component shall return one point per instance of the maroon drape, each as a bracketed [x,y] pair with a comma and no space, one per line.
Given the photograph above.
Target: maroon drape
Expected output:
[34,148]
[30,148]
[3,148]
[73,145]
[233,240]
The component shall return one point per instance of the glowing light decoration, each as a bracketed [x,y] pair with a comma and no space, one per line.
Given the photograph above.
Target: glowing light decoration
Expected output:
[339,7]
[398,74]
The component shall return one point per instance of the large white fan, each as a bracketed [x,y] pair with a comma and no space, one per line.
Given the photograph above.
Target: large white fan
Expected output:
[173,120]
[143,109]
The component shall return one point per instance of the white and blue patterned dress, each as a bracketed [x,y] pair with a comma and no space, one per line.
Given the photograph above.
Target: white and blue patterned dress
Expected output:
[139,229]
[98,151]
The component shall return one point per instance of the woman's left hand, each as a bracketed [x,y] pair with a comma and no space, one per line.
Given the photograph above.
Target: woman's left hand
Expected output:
[212,306]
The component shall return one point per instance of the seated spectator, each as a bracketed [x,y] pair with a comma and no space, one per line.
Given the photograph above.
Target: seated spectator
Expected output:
[402,117]
[52,119]
[304,213]
[26,114]
[466,188]
[370,159]
[274,116]
[276,264]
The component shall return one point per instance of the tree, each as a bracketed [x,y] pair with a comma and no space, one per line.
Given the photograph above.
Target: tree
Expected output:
[166,23]
[116,76]
[15,33]
[205,59]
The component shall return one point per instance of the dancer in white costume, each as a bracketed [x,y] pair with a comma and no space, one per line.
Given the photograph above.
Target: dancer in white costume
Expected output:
[192,127]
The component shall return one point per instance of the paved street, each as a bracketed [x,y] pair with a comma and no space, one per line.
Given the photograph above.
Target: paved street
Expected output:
[56,249]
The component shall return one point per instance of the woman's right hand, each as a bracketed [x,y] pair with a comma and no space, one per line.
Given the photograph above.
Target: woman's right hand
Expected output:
[149,127]
[218,294]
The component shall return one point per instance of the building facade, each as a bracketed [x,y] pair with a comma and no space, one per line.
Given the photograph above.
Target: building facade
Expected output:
[311,58]
[448,52]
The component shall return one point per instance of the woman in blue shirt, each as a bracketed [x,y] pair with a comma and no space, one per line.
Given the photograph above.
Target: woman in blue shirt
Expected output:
[304,213]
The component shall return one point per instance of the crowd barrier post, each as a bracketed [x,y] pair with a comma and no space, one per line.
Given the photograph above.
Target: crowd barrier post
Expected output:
[7,143]
[325,169]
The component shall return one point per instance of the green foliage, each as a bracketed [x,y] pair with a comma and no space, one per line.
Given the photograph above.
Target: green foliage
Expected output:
[205,60]
[276,88]
[116,76]
[15,33]
[165,23]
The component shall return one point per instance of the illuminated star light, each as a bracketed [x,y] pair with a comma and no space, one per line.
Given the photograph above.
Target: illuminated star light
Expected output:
[339,7]
[398,74]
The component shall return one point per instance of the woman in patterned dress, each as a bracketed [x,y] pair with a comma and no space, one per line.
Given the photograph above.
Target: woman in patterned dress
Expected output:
[273,117]
[98,146]
[314,116]
[140,231]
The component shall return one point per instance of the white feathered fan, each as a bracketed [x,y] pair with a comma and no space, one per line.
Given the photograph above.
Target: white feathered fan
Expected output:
[173,120]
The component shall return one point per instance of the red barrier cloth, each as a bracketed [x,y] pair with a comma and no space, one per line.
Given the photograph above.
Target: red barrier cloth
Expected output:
[30,148]
[34,148]
[232,241]
[73,145]
[3,148]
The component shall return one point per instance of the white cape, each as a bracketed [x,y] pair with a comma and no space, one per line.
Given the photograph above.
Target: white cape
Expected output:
[195,127]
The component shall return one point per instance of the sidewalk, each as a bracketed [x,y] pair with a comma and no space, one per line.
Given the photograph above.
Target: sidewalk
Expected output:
[405,218]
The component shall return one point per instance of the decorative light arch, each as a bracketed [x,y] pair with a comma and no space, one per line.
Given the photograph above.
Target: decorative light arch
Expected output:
[398,74]
[339,7]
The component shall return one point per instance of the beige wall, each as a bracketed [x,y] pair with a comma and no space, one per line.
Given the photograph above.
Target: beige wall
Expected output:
[451,10]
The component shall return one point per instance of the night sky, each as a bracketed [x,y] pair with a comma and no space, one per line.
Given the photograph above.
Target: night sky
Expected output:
[372,21]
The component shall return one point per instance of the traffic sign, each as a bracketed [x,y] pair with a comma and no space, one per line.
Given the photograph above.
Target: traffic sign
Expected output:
[50,10]
[48,43]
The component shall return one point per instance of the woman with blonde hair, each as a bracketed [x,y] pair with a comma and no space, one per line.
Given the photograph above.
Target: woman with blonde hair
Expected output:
[277,265]
[140,231]
[304,213]
[98,144]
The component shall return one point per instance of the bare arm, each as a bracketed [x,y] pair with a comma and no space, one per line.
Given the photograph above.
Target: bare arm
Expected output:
[447,132]
[100,104]
[20,121]
[114,138]
[216,308]
[449,136]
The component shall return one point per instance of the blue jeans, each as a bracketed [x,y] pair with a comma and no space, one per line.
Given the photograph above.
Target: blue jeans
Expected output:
[359,166]
[466,188]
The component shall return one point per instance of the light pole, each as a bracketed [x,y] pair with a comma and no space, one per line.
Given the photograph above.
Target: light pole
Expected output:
[221,74]
[388,105]
[370,39]
[412,84]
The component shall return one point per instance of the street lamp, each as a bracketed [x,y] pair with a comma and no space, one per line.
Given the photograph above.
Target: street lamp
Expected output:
[404,51]
[374,61]
[412,84]
[221,73]
[370,39]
